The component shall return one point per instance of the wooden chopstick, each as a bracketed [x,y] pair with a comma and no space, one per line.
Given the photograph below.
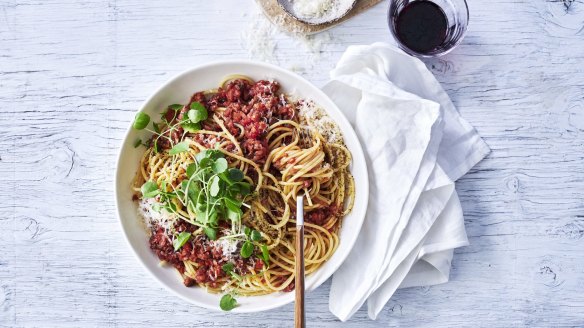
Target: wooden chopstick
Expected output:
[299,317]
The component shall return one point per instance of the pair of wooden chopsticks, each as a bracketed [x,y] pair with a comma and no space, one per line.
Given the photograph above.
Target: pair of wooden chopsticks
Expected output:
[299,317]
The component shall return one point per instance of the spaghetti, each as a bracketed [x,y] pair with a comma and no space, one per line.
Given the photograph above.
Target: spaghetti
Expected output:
[219,179]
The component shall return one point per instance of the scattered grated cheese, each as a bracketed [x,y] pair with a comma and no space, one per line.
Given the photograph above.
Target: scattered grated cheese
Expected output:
[228,246]
[163,218]
[262,39]
[315,117]
[259,40]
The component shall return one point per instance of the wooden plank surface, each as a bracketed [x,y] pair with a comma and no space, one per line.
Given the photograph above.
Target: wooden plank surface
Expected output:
[72,74]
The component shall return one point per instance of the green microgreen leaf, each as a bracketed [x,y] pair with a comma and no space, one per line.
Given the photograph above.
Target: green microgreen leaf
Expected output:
[156,207]
[191,169]
[243,188]
[190,126]
[201,217]
[189,189]
[255,235]
[209,153]
[225,177]
[227,302]
[156,127]
[182,238]
[155,146]
[197,113]
[211,233]
[215,186]
[212,216]
[179,148]
[265,254]
[195,105]
[141,120]
[246,249]
[137,143]
[214,154]
[171,207]
[228,267]
[232,204]
[149,189]
[246,231]
[205,162]
[235,175]
[200,155]
[196,116]
[234,215]
[220,165]
[202,206]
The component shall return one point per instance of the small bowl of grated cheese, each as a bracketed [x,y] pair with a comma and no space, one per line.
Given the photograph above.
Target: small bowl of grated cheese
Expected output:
[316,12]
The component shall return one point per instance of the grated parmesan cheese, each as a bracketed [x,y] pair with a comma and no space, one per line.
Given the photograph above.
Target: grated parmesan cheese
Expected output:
[262,39]
[314,8]
[259,40]
[228,246]
[152,217]
[314,117]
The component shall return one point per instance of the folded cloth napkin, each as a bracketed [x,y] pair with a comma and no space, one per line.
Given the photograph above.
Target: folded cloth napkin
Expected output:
[416,145]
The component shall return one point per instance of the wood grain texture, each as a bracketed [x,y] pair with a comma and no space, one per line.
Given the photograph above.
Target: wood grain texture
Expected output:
[72,74]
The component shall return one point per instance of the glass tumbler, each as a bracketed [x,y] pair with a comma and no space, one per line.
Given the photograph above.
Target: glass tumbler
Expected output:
[455,13]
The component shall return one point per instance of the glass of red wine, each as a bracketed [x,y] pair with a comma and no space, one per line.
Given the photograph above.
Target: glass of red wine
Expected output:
[428,28]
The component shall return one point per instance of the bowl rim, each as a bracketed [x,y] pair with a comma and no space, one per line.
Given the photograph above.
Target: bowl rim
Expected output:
[342,117]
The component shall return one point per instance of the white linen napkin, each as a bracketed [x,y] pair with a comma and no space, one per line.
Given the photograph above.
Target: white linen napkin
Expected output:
[416,144]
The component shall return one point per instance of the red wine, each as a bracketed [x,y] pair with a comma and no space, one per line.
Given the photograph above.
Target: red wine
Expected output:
[421,26]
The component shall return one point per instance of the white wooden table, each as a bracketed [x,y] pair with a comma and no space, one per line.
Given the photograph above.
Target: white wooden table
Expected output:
[72,74]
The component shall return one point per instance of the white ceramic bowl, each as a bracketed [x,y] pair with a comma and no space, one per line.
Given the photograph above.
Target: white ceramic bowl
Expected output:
[179,90]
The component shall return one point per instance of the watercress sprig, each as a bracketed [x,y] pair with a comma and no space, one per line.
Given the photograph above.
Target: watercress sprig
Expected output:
[190,122]
[211,191]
